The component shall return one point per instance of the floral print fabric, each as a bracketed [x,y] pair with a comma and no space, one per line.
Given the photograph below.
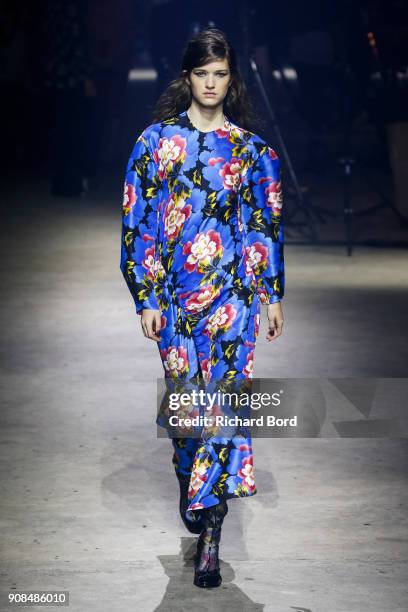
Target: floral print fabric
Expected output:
[202,241]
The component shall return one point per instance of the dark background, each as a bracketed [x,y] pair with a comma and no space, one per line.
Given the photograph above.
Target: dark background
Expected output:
[80,79]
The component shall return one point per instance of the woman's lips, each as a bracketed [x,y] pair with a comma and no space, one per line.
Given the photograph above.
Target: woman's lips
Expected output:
[206,93]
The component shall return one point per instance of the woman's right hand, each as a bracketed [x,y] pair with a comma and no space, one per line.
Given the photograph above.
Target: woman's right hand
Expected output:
[151,323]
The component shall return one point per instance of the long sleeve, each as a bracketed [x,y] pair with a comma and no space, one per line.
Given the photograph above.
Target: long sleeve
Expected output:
[141,196]
[261,206]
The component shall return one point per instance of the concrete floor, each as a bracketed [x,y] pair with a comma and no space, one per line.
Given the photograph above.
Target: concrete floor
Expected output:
[89,497]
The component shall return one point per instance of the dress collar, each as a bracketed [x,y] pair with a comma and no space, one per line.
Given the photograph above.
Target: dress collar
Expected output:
[185,121]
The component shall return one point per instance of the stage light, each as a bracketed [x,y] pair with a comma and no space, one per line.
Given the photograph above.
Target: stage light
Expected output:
[290,74]
[142,74]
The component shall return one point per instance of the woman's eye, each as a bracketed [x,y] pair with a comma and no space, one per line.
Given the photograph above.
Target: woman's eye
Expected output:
[200,74]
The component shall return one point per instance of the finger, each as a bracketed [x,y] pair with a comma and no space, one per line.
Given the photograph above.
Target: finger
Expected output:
[157,324]
[150,331]
[154,336]
[275,330]
[270,335]
[277,333]
[147,328]
[154,328]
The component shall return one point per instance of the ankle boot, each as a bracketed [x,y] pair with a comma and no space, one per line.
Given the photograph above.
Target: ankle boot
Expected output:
[207,568]
[194,526]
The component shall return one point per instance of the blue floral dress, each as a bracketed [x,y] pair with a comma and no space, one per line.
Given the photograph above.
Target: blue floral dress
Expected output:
[202,241]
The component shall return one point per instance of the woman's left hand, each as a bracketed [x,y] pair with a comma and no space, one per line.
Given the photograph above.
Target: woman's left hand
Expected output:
[275,318]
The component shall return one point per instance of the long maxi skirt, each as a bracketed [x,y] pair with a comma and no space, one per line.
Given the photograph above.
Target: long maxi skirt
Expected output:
[218,346]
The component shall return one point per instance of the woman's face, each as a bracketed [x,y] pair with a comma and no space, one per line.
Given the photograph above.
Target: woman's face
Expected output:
[209,83]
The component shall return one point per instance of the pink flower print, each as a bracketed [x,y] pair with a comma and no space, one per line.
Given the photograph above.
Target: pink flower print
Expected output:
[147,237]
[249,367]
[245,448]
[177,212]
[263,296]
[199,475]
[149,261]
[197,506]
[211,413]
[202,251]
[213,161]
[184,412]
[206,369]
[247,473]
[202,298]
[272,153]
[169,151]
[257,321]
[224,131]
[129,198]
[221,319]
[256,257]
[231,172]
[274,197]
[175,360]
[239,219]
[158,268]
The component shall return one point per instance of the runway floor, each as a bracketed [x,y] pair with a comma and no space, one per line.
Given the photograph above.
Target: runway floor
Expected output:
[89,497]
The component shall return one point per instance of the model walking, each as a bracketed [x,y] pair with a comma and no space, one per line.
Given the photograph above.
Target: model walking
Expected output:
[202,248]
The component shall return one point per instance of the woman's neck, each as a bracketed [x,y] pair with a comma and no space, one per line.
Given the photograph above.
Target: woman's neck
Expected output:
[206,119]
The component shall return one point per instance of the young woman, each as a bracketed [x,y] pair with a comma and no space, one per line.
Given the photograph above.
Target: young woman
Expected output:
[202,248]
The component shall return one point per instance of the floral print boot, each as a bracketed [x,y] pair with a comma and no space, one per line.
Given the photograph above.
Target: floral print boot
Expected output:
[207,569]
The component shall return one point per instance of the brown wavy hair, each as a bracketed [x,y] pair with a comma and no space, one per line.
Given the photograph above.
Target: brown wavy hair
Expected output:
[207,46]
